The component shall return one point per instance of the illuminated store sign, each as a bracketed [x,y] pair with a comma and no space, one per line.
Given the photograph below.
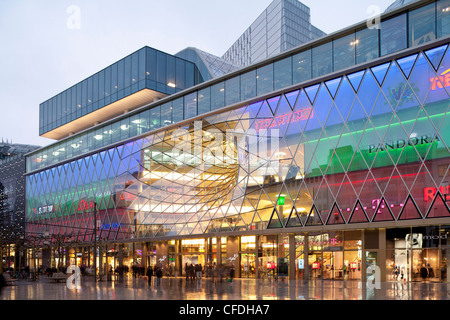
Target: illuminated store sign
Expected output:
[296,116]
[441,81]
[430,192]
[400,143]
[44,209]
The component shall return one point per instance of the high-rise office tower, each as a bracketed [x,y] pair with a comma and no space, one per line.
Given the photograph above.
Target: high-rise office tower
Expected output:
[283,25]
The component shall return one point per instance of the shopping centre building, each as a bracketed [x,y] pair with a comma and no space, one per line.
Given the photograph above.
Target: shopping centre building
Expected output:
[313,164]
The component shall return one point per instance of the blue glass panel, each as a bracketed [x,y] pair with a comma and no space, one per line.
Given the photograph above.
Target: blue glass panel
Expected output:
[155,118]
[178,110]
[422,25]
[217,96]
[204,100]
[127,72]
[232,91]
[264,81]
[172,82]
[435,55]
[420,77]
[161,66]
[301,66]
[368,92]
[333,85]
[190,75]
[311,92]
[283,73]
[166,114]
[344,98]
[393,35]
[322,104]
[380,72]
[134,67]
[180,74]
[322,60]
[443,18]
[406,64]
[292,97]
[248,85]
[394,85]
[190,105]
[355,79]
[344,52]
[273,103]
[367,45]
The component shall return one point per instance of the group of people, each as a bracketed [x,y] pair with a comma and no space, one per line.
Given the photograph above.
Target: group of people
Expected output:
[193,272]
[157,271]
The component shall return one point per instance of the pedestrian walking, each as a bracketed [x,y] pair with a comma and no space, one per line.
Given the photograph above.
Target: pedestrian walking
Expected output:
[149,275]
[198,271]
[158,274]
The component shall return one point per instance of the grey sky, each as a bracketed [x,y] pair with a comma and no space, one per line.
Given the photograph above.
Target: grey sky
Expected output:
[41,56]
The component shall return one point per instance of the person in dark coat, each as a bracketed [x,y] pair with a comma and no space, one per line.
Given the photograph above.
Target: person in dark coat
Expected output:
[424,273]
[158,274]
[149,275]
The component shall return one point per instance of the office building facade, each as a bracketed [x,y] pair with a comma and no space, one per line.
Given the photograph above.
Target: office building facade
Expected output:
[284,25]
[318,163]
[12,202]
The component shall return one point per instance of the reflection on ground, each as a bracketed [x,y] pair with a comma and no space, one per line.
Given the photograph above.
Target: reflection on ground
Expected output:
[239,289]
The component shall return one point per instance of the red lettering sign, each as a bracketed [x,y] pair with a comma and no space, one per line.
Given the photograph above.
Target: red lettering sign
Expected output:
[430,192]
[299,115]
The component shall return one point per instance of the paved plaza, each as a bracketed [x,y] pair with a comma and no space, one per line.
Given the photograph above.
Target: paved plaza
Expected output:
[177,288]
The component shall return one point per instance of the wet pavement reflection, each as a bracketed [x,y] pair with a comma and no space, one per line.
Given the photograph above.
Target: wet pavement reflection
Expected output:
[239,289]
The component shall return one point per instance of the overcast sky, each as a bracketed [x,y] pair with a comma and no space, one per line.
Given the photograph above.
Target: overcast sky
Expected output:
[45,49]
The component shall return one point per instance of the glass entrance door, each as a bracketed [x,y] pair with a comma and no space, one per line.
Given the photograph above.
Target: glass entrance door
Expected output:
[247,265]
[332,267]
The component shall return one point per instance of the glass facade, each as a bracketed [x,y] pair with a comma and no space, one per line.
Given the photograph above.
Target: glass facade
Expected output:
[351,155]
[146,68]
[359,46]
[369,146]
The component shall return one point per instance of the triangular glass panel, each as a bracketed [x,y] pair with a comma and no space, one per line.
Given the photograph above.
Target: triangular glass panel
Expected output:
[380,72]
[314,218]
[356,78]
[264,111]
[409,210]
[439,207]
[358,214]
[311,92]
[293,219]
[406,64]
[382,212]
[333,85]
[273,103]
[335,216]
[292,97]
[435,55]
[303,215]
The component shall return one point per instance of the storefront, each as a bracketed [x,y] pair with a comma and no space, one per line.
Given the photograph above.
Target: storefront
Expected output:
[417,254]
